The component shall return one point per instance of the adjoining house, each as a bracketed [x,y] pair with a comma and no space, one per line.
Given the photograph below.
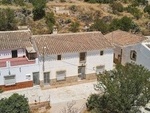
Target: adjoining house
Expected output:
[128,47]
[71,57]
[17,59]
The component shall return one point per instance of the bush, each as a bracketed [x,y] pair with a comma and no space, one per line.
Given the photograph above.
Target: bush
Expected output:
[74,27]
[116,6]
[38,10]
[14,104]
[92,101]
[50,21]
[7,20]
[134,11]
[147,9]
[6,1]
[100,25]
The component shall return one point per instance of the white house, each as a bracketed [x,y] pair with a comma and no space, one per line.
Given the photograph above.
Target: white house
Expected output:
[129,48]
[70,57]
[17,59]
[51,59]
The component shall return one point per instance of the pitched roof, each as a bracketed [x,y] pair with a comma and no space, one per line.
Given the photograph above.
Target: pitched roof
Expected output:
[15,39]
[71,42]
[123,38]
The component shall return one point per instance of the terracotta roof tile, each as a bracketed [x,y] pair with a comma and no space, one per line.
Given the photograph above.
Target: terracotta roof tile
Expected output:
[14,39]
[123,38]
[71,42]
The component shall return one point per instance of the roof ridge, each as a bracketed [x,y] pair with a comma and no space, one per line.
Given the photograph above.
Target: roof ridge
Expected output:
[15,31]
[77,33]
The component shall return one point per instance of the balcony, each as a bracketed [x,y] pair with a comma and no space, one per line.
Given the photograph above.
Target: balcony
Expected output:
[15,61]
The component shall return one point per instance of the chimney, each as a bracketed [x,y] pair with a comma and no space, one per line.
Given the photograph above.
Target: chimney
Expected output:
[54,30]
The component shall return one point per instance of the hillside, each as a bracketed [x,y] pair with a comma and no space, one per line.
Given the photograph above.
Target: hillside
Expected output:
[83,13]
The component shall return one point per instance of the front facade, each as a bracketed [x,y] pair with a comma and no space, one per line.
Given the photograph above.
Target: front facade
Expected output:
[67,58]
[72,67]
[17,60]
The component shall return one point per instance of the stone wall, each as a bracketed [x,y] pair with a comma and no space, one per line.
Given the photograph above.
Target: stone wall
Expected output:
[68,80]
[91,76]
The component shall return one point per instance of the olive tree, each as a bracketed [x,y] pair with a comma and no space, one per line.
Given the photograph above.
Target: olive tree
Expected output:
[125,88]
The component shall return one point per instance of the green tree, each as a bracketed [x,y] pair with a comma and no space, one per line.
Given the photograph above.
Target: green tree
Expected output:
[39,9]
[100,25]
[126,23]
[147,9]
[114,25]
[14,104]
[7,20]
[74,27]
[50,21]
[134,11]
[124,88]
[6,2]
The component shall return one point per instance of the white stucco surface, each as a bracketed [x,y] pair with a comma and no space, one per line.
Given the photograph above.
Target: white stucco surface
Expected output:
[20,71]
[70,63]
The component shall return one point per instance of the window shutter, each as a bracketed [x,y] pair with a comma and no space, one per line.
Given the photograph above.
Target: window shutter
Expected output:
[9,80]
[99,69]
[61,75]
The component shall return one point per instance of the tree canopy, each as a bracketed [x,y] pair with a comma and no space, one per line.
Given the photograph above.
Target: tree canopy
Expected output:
[7,20]
[14,104]
[125,23]
[124,88]
[39,9]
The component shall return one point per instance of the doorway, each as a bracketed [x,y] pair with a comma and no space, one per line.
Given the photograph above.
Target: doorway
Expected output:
[81,72]
[36,80]
[46,78]
[14,53]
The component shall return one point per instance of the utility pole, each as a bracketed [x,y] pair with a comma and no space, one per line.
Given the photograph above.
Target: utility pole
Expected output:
[44,58]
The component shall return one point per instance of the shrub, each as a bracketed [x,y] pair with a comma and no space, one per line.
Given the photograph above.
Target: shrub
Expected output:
[14,104]
[74,27]
[147,9]
[50,21]
[100,25]
[116,6]
[134,11]
[38,10]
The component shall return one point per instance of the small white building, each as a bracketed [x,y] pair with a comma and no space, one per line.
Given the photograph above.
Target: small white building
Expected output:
[130,48]
[71,57]
[17,60]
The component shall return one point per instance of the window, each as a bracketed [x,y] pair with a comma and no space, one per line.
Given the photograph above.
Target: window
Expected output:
[100,69]
[133,55]
[83,56]
[9,80]
[58,57]
[60,75]
[101,53]
[14,53]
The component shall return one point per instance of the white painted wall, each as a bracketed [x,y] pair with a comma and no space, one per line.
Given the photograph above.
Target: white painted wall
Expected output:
[143,55]
[7,53]
[20,71]
[70,63]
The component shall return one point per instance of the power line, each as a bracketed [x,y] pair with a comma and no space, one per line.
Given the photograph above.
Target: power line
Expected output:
[73,64]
